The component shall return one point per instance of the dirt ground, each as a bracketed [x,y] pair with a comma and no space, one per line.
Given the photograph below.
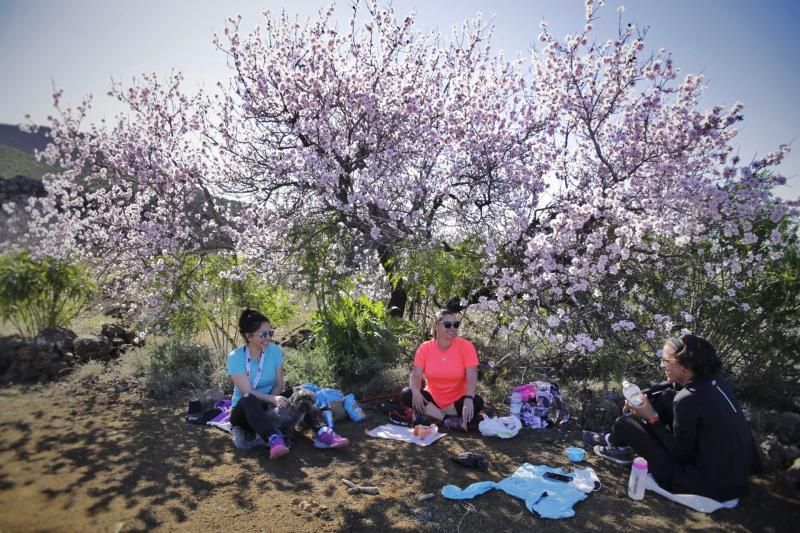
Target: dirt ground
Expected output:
[101,459]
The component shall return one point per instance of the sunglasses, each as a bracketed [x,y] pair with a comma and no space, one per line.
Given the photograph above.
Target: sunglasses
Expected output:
[447,325]
[265,334]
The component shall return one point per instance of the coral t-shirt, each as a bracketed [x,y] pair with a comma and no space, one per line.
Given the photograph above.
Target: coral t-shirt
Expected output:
[446,370]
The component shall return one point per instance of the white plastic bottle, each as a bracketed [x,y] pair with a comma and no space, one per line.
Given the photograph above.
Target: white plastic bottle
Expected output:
[632,393]
[516,404]
[638,479]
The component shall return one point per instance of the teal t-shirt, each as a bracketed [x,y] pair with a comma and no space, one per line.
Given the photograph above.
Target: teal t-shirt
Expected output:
[237,363]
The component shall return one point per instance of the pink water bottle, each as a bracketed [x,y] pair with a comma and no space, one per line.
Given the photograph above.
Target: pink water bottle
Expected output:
[638,478]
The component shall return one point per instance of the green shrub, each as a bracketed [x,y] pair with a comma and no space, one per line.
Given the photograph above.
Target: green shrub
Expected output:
[358,338]
[177,364]
[36,293]
[208,299]
[438,277]
[308,365]
[89,371]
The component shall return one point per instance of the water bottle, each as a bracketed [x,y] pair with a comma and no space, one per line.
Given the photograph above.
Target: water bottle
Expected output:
[632,393]
[516,404]
[327,416]
[638,478]
[352,409]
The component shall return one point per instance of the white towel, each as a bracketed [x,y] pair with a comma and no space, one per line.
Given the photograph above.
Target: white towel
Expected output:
[395,432]
[693,501]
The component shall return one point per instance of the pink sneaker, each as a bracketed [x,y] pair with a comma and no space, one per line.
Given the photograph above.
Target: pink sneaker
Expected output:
[329,439]
[277,446]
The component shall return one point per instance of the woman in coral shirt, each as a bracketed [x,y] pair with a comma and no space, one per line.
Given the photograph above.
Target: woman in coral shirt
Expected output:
[450,367]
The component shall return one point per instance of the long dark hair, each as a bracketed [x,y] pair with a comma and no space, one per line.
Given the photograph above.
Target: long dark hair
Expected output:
[249,321]
[696,354]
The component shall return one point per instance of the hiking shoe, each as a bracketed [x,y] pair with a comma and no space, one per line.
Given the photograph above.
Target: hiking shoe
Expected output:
[241,440]
[402,418]
[592,438]
[329,439]
[622,455]
[454,422]
[277,446]
[471,460]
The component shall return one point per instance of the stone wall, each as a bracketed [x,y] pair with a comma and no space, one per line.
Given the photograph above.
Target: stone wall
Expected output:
[56,351]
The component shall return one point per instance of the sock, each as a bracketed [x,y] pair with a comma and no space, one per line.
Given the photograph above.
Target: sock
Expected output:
[321,430]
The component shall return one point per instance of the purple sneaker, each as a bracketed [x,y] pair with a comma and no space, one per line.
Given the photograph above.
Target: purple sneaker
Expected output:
[277,446]
[329,439]
[454,422]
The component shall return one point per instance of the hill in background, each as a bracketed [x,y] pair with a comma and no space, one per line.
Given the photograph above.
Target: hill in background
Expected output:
[16,152]
[13,137]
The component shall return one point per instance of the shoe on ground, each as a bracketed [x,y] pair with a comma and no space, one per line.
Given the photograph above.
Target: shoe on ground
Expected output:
[593,438]
[454,422]
[406,417]
[329,439]
[620,455]
[471,460]
[277,446]
[244,440]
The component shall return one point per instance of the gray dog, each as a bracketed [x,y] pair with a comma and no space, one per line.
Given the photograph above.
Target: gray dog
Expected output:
[286,419]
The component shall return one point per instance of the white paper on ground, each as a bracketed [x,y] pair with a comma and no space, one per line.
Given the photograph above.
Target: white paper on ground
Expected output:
[395,432]
[698,503]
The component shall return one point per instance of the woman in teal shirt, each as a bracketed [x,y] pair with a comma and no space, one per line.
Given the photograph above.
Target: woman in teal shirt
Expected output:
[256,369]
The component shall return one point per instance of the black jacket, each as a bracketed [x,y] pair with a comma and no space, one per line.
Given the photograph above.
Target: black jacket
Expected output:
[711,441]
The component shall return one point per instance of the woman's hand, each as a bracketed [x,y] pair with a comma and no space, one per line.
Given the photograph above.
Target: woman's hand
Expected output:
[468,411]
[280,401]
[644,411]
[418,401]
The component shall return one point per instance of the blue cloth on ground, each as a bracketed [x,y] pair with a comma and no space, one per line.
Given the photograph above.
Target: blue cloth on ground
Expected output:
[324,396]
[547,498]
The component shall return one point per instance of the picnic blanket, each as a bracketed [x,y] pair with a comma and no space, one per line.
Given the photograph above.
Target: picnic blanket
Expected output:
[401,433]
[693,501]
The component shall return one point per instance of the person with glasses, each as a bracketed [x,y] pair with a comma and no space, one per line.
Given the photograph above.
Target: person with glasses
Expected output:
[256,369]
[449,365]
[694,435]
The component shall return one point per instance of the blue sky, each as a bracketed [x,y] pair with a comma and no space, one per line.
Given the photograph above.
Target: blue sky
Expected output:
[745,49]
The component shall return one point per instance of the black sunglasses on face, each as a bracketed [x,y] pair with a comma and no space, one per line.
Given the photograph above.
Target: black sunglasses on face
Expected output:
[265,334]
[453,324]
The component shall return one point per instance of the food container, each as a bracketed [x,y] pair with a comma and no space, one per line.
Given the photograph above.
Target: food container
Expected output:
[575,455]
[423,431]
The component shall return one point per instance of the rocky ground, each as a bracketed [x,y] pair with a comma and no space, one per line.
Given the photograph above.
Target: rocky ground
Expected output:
[99,457]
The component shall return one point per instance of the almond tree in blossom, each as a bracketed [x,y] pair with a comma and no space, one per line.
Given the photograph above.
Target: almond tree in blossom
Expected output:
[584,170]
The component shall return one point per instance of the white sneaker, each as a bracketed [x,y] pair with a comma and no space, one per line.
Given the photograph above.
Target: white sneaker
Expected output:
[240,441]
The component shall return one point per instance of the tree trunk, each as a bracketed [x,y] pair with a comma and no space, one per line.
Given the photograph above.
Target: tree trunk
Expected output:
[398,297]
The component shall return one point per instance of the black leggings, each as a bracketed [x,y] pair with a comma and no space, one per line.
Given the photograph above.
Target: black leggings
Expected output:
[406,397]
[250,414]
[628,430]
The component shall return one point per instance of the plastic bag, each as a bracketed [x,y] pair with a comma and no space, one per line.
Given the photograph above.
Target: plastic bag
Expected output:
[504,427]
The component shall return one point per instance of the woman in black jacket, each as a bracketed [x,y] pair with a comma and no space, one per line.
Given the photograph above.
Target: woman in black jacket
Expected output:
[700,442]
